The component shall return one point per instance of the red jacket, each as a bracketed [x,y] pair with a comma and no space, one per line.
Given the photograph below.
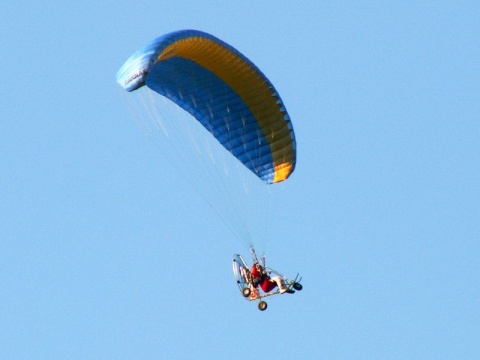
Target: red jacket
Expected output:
[257,271]
[264,280]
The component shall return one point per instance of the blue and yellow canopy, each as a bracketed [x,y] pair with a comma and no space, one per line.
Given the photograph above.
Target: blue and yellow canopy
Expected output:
[223,90]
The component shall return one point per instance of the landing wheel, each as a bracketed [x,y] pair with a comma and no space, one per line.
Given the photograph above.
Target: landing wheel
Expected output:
[246,292]
[297,286]
[262,306]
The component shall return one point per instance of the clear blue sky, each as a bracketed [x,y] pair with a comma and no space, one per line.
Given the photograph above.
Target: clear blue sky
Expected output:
[105,253]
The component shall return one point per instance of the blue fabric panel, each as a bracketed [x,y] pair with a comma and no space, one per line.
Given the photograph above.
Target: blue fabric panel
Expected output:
[218,108]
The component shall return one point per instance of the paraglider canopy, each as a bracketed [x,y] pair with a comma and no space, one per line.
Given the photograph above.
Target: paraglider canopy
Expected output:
[225,92]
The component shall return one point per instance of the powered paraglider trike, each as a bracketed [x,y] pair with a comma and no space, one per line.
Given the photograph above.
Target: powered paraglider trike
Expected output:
[272,283]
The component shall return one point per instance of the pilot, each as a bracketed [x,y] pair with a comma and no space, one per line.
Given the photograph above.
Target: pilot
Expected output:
[260,277]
